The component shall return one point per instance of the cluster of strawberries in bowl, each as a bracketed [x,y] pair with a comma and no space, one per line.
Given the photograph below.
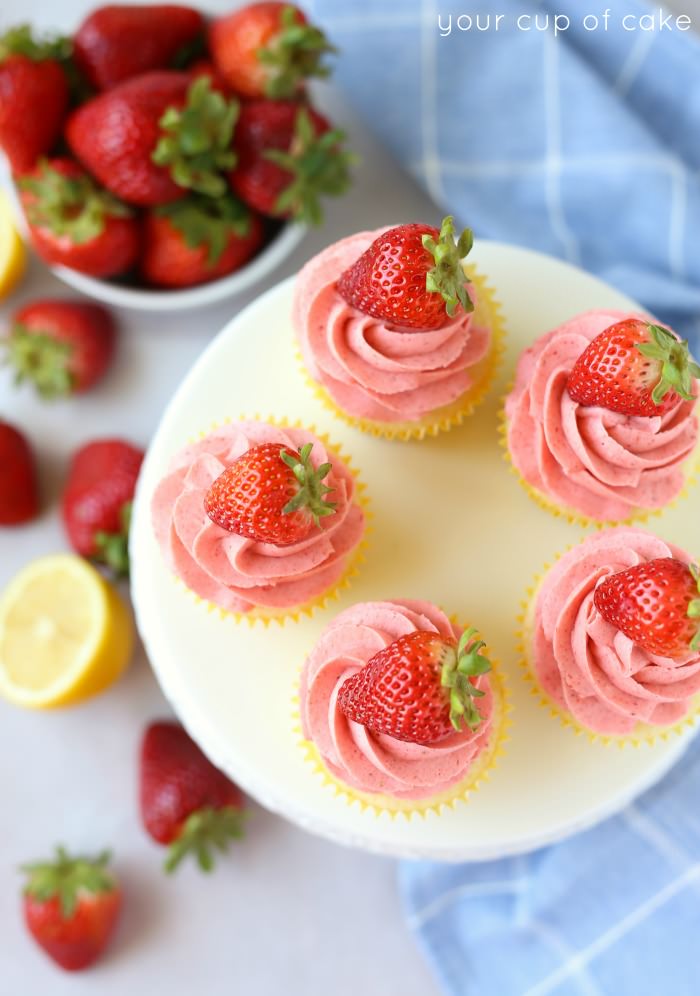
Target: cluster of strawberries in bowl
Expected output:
[155,150]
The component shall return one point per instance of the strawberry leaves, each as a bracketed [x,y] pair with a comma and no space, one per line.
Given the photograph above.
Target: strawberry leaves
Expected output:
[447,277]
[311,487]
[208,221]
[67,877]
[457,671]
[294,54]
[678,369]
[204,830]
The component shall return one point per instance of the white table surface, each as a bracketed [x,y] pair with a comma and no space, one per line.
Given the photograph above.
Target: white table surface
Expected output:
[286,912]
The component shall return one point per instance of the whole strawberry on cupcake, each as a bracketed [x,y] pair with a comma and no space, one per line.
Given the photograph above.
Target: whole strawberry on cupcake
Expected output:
[398,338]
[259,519]
[602,424]
[400,706]
[612,635]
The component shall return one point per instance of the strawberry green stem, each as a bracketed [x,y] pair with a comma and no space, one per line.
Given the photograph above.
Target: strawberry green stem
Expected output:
[40,359]
[204,830]
[694,607]
[459,668]
[67,877]
[294,55]
[112,549]
[678,369]
[20,41]
[312,490]
[318,165]
[208,221]
[447,277]
[196,145]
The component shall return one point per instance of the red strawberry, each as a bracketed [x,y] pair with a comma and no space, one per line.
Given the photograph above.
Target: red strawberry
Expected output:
[418,688]
[271,494]
[267,49]
[74,223]
[151,138]
[411,276]
[634,368]
[33,96]
[657,605]
[197,239]
[19,497]
[96,503]
[288,156]
[185,801]
[118,41]
[71,907]
[63,347]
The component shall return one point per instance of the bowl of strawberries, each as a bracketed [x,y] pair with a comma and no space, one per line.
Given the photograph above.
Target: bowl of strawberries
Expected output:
[162,160]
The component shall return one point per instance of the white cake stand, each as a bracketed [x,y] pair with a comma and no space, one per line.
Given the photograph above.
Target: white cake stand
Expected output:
[451,525]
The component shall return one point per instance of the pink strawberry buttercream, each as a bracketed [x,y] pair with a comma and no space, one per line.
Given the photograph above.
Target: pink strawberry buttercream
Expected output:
[584,663]
[377,763]
[596,462]
[369,369]
[240,574]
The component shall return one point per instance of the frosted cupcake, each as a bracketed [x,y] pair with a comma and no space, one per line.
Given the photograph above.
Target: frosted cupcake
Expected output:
[611,635]
[259,519]
[397,339]
[400,706]
[601,423]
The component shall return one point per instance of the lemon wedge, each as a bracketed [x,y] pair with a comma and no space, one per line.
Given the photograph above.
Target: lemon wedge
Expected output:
[65,634]
[13,255]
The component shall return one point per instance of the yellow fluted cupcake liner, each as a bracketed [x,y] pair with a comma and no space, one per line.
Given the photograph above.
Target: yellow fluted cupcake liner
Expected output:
[261,614]
[488,312]
[637,517]
[644,733]
[452,797]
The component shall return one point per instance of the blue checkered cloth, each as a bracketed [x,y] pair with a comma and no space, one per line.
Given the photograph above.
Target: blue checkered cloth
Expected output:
[586,147]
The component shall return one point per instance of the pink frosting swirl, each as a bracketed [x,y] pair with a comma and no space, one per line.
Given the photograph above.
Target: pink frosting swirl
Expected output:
[597,462]
[377,763]
[585,664]
[238,573]
[370,370]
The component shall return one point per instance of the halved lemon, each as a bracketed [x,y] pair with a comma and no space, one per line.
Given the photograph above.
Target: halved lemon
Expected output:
[65,634]
[13,255]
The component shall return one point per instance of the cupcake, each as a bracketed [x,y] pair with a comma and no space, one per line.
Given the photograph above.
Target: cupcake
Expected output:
[611,635]
[601,423]
[399,706]
[259,519]
[394,335]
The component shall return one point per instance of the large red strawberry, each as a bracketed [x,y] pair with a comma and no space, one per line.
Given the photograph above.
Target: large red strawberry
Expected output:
[119,41]
[411,277]
[197,239]
[185,801]
[267,49]
[33,96]
[656,604]
[419,688]
[62,347]
[288,157]
[635,368]
[96,503]
[74,223]
[71,907]
[271,494]
[154,136]
[19,496]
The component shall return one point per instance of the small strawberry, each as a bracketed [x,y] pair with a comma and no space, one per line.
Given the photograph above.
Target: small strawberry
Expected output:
[656,604]
[153,137]
[288,157]
[271,494]
[118,41]
[268,49]
[96,502]
[71,907]
[19,497]
[185,801]
[411,276]
[63,347]
[33,96]
[74,223]
[634,368]
[418,688]
[197,239]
